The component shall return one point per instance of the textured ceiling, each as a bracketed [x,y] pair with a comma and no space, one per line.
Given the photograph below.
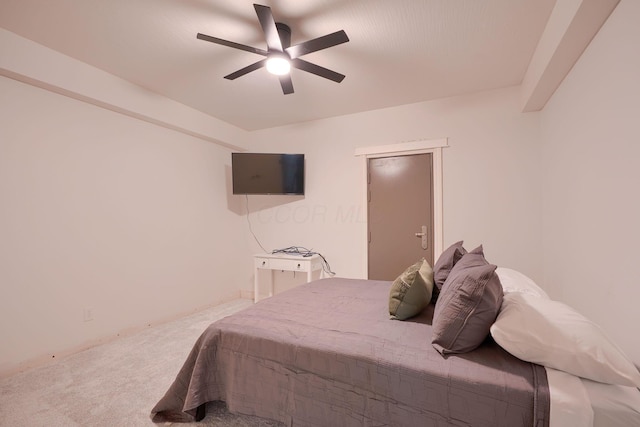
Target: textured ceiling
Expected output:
[400,51]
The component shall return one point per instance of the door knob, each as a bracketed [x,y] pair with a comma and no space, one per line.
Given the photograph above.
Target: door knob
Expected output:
[423,236]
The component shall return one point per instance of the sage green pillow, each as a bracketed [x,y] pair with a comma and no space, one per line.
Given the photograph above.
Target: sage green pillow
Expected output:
[411,291]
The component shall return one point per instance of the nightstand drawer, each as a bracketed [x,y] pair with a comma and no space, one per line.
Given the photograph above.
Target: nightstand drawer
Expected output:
[287,264]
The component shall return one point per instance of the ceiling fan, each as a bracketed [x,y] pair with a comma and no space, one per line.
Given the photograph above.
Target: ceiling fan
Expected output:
[280,55]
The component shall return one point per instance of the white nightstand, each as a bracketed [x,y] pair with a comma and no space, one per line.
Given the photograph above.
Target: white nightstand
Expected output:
[283,262]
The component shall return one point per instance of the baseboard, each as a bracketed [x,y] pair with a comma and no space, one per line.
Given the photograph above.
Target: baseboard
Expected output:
[38,361]
[244,294]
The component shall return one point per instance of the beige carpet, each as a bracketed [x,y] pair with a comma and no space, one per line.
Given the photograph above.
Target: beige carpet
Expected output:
[115,384]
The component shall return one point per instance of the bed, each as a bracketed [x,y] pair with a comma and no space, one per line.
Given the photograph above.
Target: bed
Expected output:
[327,353]
[464,343]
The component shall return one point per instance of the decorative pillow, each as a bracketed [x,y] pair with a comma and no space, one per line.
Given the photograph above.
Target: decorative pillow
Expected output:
[553,334]
[467,306]
[477,255]
[411,291]
[445,263]
[514,281]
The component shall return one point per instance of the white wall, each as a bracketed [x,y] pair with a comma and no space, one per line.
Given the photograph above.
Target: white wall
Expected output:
[591,149]
[103,212]
[134,221]
[491,188]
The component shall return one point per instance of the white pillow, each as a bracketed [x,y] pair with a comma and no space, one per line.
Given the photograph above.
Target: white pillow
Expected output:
[514,281]
[553,334]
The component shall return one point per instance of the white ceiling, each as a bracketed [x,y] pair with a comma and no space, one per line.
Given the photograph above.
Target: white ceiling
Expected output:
[400,51]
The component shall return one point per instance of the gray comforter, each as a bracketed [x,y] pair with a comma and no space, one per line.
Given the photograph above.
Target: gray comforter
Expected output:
[327,354]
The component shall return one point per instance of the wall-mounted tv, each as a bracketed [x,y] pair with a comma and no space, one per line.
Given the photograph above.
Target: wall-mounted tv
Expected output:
[267,173]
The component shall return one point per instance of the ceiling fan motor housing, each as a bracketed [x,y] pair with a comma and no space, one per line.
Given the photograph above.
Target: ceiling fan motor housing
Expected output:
[285,34]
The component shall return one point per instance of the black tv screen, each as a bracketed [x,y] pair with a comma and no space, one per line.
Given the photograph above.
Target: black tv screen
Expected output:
[266,173]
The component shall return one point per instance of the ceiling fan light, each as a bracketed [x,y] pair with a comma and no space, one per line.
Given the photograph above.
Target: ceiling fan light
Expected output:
[278,65]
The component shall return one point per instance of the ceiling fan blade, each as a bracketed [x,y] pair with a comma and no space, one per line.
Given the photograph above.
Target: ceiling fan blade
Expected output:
[317,70]
[317,44]
[286,83]
[268,25]
[246,70]
[232,44]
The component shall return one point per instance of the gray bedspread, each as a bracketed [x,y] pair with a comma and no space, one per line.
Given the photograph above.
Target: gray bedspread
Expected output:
[327,354]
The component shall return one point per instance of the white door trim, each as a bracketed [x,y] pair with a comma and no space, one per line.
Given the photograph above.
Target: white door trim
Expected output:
[434,147]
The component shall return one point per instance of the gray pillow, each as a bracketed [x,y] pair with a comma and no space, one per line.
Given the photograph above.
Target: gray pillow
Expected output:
[474,257]
[411,292]
[444,264]
[467,306]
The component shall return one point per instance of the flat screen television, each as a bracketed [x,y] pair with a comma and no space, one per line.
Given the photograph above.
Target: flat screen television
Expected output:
[267,173]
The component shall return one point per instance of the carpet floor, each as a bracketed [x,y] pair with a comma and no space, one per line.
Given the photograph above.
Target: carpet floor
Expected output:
[115,384]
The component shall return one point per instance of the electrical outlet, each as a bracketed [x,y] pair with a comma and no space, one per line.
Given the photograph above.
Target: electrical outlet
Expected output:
[87,315]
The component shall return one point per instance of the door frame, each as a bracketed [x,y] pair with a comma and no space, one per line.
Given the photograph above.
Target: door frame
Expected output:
[432,146]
